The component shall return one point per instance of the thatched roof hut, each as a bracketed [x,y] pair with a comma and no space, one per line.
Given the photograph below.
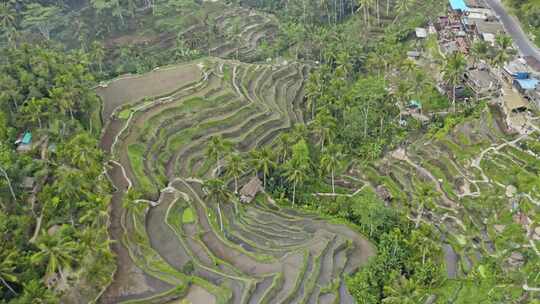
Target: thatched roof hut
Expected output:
[250,190]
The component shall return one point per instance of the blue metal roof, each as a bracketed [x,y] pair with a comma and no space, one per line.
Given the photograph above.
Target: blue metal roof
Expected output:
[27,138]
[415,103]
[458,5]
[527,84]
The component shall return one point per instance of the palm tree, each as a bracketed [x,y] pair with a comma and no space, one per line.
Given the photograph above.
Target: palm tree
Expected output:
[403,6]
[7,19]
[330,162]
[365,6]
[33,110]
[57,253]
[8,180]
[98,54]
[262,160]
[453,71]
[504,50]
[7,270]
[217,191]
[479,50]
[295,174]
[216,148]
[403,291]
[313,92]
[235,167]
[283,147]
[402,94]
[324,126]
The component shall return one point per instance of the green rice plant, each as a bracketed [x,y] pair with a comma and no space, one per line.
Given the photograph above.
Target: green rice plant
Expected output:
[187,216]
[136,159]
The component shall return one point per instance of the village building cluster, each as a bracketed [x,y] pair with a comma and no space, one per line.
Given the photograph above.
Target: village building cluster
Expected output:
[516,86]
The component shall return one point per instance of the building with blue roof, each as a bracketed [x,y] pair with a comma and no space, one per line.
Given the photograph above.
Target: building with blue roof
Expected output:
[458,5]
[526,84]
[27,138]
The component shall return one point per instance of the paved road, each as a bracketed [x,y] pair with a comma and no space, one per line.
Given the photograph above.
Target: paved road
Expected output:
[512,26]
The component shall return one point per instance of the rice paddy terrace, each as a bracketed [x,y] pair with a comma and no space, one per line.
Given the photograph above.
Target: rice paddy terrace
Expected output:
[216,29]
[476,184]
[170,244]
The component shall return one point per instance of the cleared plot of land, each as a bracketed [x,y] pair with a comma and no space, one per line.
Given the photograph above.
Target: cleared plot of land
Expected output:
[133,88]
[263,254]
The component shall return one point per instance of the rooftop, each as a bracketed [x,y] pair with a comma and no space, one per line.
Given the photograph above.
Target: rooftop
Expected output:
[483,80]
[527,84]
[250,190]
[492,27]
[458,5]
[27,138]
[517,66]
[421,32]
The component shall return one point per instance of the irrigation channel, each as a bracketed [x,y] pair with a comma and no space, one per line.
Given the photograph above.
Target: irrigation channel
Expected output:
[169,244]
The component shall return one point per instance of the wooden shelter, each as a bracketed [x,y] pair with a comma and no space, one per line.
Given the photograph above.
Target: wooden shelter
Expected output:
[250,190]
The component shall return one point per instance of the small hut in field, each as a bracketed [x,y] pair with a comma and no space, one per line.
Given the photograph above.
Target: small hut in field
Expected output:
[250,190]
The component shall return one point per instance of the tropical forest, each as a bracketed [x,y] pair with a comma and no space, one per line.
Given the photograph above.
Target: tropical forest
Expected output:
[269,151]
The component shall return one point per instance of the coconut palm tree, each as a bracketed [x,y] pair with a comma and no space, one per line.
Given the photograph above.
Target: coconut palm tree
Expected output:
[57,253]
[330,162]
[479,50]
[8,180]
[403,6]
[402,94]
[296,175]
[365,5]
[7,19]
[283,147]
[313,92]
[216,148]
[403,291]
[453,71]
[504,50]
[217,191]
[97,54]
[7,270]
[262,160]
[235,167]
[324,126]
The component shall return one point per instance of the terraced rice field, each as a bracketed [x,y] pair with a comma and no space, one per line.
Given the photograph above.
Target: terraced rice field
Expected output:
[237,32]
[470,184]
[171,245]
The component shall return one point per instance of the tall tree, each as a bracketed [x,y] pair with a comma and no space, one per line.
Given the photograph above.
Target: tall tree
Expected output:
[217,192]
[503,50]
[42,18]
[10,186]
[57,253]
[7,20]
[235,167]
[217,147]
[297,168]
[453,72]
[97,54]
[324,126]
[7,269]
[330,162]
[262,160]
